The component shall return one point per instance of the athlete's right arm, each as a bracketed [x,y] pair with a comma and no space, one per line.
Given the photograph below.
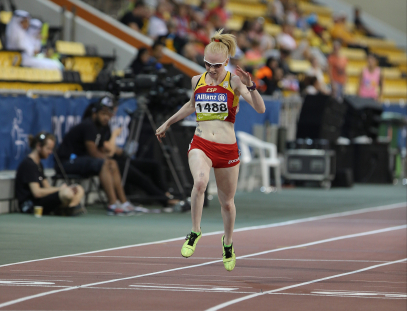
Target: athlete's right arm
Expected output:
[185,111]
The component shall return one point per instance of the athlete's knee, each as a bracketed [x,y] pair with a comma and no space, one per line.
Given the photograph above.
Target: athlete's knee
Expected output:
[200,185]
[228,205]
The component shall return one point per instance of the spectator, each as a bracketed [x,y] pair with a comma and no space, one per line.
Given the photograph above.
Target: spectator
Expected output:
[235,61]
[337,71]
[34,35]
[316,71]
[276,10]
[371,82]
[145,174]
[254,56]
[18,38]
[311,85]
[182,20]
[269,76]
[291,14]
[256,33]
[157,25]
[220,12]
[316,27]
[16,30]
[285,39]
[79,154]
[157,52]
[135,18]
[340,32]
[32,48]
[190,52]
[32,187]
[141,61]
[360,26]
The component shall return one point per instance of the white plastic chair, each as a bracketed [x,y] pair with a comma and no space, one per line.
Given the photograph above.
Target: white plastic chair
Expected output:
[267,157]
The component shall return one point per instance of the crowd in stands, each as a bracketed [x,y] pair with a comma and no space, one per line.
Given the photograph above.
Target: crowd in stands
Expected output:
[186,29]
[23,33]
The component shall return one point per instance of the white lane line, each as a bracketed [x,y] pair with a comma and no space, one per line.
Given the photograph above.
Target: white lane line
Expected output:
[52,271]
[122,263]
[214,258]
[285,223]
[186,288]
[237,276]
[317,295]
[344,293]
[234,301]
[11,302]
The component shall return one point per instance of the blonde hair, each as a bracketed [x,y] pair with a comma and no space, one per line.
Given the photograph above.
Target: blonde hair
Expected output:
[222,43]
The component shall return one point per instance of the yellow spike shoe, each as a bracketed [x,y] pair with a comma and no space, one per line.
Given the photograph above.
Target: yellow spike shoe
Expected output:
[189,246]
[229,256]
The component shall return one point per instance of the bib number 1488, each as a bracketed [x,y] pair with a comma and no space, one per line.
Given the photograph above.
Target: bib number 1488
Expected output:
[212,107]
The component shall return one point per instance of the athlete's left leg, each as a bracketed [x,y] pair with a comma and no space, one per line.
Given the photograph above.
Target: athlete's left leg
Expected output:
[226,181]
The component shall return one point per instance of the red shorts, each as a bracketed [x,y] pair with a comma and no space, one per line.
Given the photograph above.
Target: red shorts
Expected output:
[222,155]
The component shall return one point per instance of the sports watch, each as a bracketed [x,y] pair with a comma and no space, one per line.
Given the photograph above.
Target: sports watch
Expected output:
[251,88]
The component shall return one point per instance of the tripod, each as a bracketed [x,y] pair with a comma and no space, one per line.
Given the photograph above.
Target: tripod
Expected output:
[131,147]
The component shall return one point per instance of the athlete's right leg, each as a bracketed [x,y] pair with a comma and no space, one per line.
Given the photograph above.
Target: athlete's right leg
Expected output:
[200,166]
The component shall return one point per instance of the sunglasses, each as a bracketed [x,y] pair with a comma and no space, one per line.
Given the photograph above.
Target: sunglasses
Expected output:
[215,66]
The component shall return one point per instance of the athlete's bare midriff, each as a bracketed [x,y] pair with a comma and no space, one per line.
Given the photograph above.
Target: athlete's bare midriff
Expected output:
[221,132]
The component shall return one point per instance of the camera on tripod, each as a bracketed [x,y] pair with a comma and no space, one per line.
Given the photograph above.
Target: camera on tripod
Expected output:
[162,93]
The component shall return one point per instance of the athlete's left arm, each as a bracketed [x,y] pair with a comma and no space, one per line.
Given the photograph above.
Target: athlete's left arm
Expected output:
[240,82]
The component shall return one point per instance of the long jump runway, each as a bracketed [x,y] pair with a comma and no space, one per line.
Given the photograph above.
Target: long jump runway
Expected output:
[347,261]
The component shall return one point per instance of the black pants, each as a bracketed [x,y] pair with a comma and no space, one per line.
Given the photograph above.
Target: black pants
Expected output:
[147,175]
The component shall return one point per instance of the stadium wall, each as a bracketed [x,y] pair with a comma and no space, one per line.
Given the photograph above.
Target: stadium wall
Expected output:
[392,12]
[382,9]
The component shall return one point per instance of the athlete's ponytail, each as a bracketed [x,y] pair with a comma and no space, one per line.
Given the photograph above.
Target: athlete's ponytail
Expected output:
[222,43]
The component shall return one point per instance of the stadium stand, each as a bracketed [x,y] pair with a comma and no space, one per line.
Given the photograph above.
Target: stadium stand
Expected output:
[82,64]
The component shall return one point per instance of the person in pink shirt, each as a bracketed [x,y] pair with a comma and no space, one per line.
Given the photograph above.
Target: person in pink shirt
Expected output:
[370,83]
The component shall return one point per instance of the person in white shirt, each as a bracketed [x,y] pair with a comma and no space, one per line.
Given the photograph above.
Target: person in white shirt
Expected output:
[16,30]
[316,71]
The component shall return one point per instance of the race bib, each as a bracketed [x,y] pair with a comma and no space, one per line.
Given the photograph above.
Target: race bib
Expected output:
[211,106]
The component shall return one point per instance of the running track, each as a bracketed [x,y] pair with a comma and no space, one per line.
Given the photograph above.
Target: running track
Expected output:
[347,261]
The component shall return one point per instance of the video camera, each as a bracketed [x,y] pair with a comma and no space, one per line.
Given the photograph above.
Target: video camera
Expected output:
[163,93]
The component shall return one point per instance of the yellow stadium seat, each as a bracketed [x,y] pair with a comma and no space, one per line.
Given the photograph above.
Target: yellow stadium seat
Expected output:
[193,2]
[391,73]
[234,24]
[9,58]
[353,71]
[326,21]
[299,66]
[309,8]
[397,59]
[87,66]
[395,90]
[246,1]
[5,16]
[272,29]
[60,87]
[70,48]
[353,54]
[351,88]
[376,43]
[246,10]
[30,74]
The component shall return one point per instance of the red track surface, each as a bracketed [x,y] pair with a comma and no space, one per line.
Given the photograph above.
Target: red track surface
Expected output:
[156,277]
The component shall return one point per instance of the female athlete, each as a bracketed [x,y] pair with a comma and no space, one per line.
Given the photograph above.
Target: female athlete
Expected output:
[215,101]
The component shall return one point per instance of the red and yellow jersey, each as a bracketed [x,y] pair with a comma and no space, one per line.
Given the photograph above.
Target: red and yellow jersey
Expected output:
[215,102]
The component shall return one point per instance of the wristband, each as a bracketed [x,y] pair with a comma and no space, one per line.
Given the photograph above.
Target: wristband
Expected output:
[251,88]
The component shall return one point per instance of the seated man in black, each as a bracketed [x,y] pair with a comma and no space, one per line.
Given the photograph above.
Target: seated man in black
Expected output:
[31,186]
[79,154]
[146,174]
